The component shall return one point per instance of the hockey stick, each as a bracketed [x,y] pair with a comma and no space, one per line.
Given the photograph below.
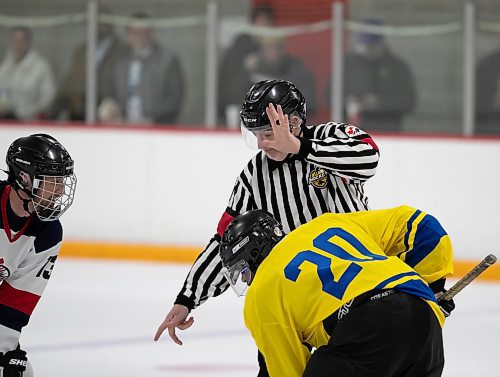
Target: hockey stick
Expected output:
[469,277]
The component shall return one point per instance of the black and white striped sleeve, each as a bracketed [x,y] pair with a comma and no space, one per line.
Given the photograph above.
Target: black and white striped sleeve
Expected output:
[343,149]
[205,279]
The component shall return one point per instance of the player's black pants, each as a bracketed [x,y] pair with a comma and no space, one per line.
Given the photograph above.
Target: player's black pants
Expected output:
[393,336]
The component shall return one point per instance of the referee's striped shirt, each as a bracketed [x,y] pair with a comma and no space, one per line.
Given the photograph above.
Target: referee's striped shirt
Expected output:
[327,175]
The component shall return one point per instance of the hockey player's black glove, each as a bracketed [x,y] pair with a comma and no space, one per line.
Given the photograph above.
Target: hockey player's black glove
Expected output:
[13,363]
[446,306]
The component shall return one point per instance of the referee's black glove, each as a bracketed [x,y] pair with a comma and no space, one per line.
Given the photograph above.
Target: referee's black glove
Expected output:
[13,363]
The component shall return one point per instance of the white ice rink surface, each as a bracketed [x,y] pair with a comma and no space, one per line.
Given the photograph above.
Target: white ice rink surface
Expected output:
[98,319]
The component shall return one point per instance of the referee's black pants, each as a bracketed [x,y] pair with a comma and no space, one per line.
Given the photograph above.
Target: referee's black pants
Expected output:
[396,335]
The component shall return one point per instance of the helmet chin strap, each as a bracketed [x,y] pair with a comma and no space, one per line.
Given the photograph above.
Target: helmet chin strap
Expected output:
[26,202]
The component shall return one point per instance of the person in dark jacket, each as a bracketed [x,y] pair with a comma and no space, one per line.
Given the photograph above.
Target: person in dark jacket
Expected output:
[488,94]
[379,87]
[148,82]
[262,57]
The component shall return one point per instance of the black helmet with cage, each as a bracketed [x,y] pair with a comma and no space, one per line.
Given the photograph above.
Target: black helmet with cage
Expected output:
[41,167]
[278,92]
[246,242]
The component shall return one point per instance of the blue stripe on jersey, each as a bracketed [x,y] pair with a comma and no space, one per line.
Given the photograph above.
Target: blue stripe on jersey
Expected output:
[409,226]
[412,287]
[417,288]
[427,237]
[12,318]
[394,278]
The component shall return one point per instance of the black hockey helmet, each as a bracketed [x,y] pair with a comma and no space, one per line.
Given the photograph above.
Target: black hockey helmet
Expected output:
[246,242]
[38,163]
[279,92]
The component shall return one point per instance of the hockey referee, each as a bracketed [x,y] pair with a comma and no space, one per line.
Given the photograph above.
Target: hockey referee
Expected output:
[299,173]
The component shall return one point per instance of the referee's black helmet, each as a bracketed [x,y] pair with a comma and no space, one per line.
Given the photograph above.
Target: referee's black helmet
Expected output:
[278,92]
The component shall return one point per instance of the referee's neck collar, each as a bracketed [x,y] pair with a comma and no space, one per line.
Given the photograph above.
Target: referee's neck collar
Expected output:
[277,164]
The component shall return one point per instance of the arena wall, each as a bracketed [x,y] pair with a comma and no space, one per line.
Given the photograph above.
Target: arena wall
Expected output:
[157,194]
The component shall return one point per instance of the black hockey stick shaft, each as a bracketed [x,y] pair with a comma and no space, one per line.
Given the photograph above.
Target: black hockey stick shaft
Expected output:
[469,277]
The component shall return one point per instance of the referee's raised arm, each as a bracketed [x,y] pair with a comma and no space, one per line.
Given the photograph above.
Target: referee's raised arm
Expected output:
[343,149]
[299,173]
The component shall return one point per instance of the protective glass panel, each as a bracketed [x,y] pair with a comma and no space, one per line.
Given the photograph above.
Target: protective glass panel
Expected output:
[403,66]
[488,67]
[40,43]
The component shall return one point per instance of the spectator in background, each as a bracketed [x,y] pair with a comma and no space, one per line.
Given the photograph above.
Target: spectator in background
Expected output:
[70,99]
[379,87]
[232,62]
[268,61]
[148,85]
[26,82]
[488,94]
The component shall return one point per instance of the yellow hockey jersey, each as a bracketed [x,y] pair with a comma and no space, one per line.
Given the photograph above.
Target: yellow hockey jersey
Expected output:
[332,259]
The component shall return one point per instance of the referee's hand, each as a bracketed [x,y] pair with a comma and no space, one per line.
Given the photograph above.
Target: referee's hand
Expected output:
[176,318]
[284,141]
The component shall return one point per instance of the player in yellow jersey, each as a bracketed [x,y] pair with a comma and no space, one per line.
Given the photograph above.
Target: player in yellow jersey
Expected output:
[353,286]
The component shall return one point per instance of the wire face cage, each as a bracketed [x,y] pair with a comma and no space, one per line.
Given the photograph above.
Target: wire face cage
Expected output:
[53,195]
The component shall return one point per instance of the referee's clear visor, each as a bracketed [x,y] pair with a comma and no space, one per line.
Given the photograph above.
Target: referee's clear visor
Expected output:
[252,137]
[253,123]
[255,129]
[239,276]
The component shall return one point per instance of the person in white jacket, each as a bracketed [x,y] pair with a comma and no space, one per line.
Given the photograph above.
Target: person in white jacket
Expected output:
[27,84]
